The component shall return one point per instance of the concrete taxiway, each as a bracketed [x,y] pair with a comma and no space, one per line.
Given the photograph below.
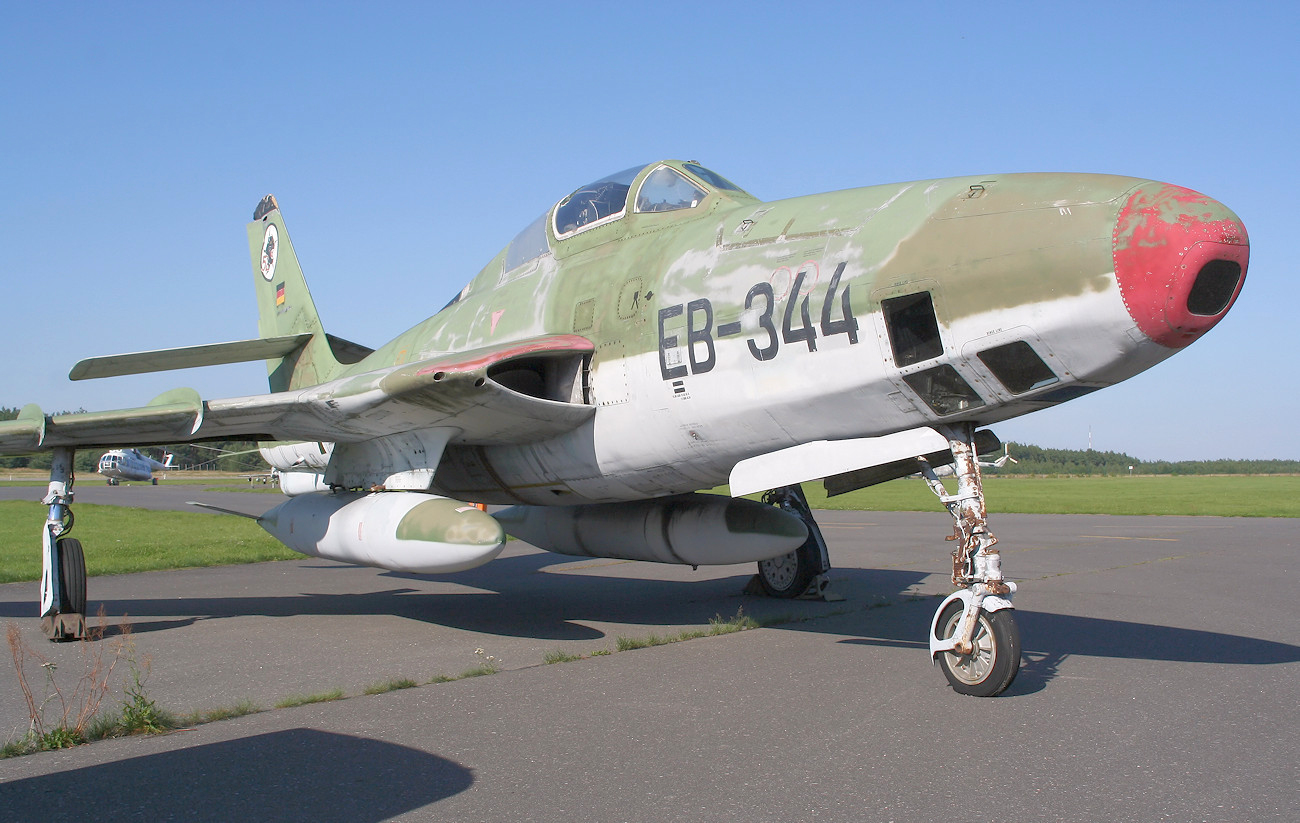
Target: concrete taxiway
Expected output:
[1160,681]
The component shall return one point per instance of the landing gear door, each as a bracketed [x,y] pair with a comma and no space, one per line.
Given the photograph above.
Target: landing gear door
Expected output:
[1013,362]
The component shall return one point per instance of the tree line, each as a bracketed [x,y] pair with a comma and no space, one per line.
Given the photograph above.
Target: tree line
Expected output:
[1038,460]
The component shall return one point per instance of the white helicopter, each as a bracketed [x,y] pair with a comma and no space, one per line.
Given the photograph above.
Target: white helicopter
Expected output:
[132,464]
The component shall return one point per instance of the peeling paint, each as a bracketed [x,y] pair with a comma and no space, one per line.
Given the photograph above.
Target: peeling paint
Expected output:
[1164,237]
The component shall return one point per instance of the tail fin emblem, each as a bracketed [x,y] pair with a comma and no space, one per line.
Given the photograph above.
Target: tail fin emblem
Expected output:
[270,250]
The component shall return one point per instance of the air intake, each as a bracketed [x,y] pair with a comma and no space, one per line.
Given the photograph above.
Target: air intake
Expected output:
[1215,285]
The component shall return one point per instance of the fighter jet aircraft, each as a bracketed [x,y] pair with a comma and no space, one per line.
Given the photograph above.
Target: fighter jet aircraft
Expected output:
[131,464]
[660,332]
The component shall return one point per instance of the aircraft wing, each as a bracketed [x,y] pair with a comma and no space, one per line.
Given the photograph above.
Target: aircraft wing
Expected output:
[464,391]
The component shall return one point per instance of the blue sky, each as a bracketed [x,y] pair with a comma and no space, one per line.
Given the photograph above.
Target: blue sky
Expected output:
[407,143]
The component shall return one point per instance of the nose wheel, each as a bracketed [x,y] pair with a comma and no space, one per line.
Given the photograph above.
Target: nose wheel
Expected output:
[973,637]
[994,653]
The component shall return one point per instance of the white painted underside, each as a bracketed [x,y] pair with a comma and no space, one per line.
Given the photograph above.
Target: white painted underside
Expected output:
[666,441]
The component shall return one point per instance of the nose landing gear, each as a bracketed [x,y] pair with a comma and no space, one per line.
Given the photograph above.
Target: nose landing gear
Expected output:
[973,636]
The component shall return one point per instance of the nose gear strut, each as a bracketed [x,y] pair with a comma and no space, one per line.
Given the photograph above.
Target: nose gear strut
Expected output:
[973,636]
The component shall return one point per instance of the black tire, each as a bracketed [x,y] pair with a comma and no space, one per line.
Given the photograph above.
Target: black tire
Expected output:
[153,481]
[788,575]
[993,665]
[72,572]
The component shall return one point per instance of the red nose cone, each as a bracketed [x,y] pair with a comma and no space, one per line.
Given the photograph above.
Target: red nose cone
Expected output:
[1180,259]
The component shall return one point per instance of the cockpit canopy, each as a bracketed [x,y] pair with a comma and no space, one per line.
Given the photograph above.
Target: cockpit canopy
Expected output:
[664,187]
[594,203]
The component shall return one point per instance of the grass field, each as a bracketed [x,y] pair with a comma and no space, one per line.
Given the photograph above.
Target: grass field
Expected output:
[1223,496]
[121,540]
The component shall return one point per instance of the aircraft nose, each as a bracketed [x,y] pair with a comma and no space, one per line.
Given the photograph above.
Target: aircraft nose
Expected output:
[1180,259]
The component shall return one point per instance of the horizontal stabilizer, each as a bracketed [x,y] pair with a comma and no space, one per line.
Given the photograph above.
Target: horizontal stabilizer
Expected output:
[347,352]
[188,357]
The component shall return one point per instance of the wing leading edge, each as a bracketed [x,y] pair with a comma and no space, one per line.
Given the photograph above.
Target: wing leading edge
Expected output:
[510,393]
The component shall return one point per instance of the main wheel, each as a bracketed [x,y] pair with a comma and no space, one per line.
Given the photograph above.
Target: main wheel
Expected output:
[995,659]
[72,572]
[788,575]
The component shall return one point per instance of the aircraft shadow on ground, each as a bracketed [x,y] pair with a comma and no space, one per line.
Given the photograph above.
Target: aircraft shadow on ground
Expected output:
[1067,635]
[291,775]
[517,598]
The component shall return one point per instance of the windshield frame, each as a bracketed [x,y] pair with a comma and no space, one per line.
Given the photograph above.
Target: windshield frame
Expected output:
[624,179]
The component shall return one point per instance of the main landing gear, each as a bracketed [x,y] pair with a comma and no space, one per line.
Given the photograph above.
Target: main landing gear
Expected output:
[973,636]
[802,572]
[63,568]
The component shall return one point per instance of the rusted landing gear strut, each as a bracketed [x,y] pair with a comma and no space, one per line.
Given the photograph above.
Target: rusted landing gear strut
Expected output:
[63,568]
[973,637]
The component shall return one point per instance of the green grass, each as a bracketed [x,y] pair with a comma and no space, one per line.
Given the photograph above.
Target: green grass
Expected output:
[717,625]
[121,540]
[559,656]
[306,699]
[1196,495]
[391,685]
[198,718]
[1244,496]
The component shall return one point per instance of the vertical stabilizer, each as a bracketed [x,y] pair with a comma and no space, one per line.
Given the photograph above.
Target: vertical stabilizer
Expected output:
[284,305]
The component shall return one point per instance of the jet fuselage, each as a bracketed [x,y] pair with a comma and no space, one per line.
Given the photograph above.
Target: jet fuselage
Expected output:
[738,327]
